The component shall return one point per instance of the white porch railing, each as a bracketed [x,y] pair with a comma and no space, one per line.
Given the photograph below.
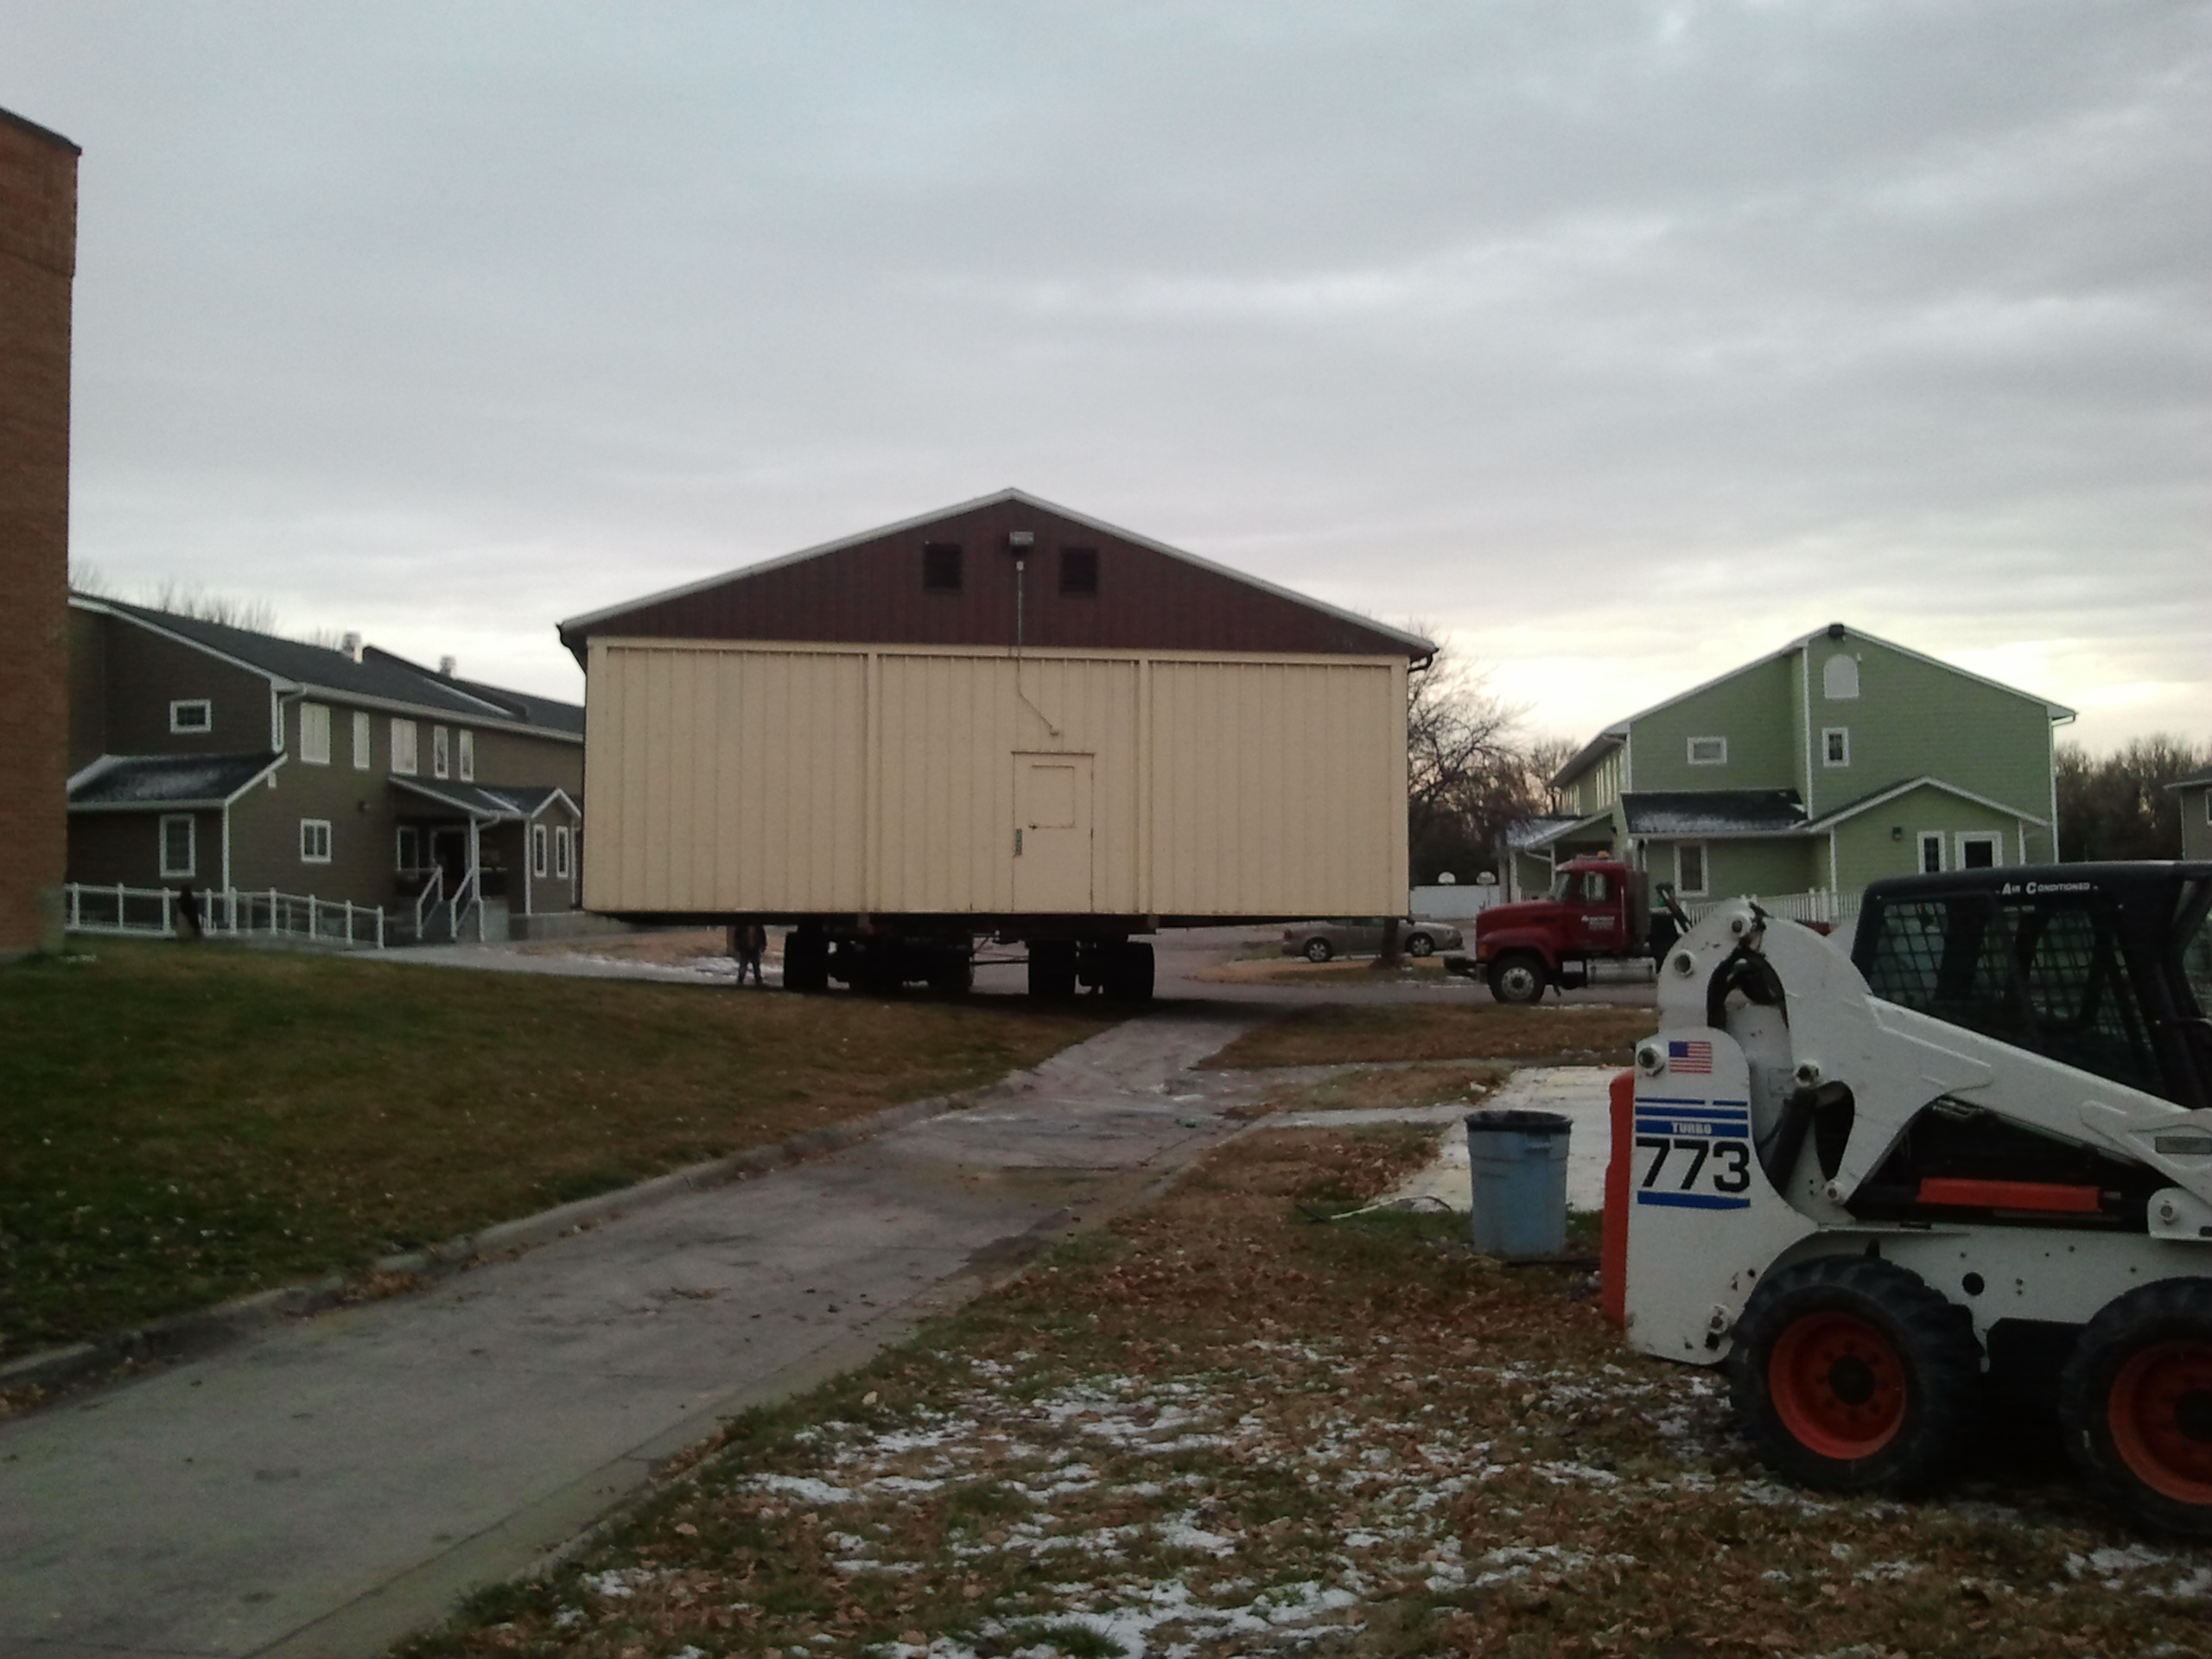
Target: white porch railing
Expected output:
[1822,906]
[468,893]
[229,912]
[427,903]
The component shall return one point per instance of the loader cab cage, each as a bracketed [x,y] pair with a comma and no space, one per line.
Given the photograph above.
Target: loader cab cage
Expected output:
[2106,968]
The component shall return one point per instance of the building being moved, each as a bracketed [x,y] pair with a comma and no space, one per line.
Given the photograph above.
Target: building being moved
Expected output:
[1004,719]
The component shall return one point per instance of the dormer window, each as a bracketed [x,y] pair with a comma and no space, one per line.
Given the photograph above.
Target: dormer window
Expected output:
[941,568]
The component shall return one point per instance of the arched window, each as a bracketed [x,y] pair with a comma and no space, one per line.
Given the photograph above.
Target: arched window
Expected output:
[1840,677]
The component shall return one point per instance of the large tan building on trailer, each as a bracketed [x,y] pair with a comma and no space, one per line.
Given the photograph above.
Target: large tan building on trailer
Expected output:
[1004,718]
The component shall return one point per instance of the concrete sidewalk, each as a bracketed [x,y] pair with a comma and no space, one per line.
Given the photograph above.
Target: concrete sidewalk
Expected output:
[323,1487]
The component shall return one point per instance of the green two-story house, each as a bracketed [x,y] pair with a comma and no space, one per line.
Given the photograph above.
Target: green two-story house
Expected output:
[1806,774]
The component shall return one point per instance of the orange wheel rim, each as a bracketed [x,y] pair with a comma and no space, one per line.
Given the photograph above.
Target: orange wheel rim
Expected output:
[2161,1416]
[1838,1386]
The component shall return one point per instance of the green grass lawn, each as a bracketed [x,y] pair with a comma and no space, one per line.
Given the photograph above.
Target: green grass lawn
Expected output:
[182,1124]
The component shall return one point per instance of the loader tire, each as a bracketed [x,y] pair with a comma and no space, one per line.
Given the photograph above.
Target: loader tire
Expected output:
[2135,1405]
[1850,1375]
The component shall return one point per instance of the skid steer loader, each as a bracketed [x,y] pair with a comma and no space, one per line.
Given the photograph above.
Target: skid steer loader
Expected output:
[1974,1155]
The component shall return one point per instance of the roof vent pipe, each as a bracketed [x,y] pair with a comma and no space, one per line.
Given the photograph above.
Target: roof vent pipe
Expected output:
[447,665]
[351,645]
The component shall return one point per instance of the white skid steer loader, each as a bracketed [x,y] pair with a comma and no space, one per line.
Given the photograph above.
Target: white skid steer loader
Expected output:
[1975,1154]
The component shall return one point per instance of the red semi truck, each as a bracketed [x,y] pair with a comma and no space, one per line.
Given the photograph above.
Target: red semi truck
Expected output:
[1598,910]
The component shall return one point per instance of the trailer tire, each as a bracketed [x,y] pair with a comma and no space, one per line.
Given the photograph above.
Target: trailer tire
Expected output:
[1318,949]
[1850,1375]
[952,971]
[1518,976]
[1052,968]
[806,961]
[2135,1405]
[1128,971]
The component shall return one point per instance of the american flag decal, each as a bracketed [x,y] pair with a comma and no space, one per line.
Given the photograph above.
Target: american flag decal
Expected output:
[1693,1057]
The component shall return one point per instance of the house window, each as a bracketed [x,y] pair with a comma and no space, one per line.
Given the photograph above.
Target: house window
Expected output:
[468,757]
[941,567]
[1981,851]
[1708,751]
[1931,852]
[315,733]
[192,715]
[404,747]
[538,850]
[1839,678]
[407,855]
[179,848]
[561,851]
[1689,869]
[314,841]
[1079,571]
[362,742]
[1835,746]
[441,752]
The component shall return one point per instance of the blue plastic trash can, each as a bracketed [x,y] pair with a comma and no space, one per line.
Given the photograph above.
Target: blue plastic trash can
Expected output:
[1519,1162]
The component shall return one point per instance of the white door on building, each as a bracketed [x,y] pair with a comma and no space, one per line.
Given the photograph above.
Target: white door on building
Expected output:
[1052,832]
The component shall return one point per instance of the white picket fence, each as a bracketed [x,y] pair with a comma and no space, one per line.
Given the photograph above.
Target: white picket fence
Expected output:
[228,913]
[1820,906]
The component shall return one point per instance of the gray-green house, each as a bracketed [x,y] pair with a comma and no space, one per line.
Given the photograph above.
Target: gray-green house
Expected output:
[1839,758]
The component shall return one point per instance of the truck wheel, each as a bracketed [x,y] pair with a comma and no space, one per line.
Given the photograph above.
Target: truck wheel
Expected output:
[1850,1375]
[1319,951]
[2135,1403]
[1419,944]
[1517,978]
[1052,968]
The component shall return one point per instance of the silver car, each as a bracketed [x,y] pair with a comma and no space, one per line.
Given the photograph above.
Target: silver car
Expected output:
[1326,941]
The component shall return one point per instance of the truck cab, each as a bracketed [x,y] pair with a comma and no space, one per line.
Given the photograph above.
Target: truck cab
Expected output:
[1598,909]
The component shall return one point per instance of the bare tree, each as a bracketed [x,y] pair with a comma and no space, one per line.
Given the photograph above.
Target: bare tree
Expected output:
[255,615]
[1471,768]
[2117,805]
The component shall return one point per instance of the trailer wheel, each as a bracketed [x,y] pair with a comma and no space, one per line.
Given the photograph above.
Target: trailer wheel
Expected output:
[2135,1402]
[806,961]
[1130,972]
[1052,968]
[952,971]
[1318,949]
[1851,1375]
[1517,976]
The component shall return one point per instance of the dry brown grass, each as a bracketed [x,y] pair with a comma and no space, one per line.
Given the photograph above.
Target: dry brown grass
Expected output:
[1216,1429]
[1579,1035]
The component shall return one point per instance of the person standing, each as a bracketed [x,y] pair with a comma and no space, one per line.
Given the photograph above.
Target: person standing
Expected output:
[751,939]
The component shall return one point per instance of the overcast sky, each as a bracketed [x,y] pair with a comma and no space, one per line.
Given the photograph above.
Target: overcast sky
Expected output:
[1621,343]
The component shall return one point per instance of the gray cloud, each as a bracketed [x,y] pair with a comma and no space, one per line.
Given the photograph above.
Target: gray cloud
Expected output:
[1622,341]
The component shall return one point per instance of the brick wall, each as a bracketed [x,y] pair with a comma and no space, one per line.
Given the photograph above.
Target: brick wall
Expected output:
[38,249]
